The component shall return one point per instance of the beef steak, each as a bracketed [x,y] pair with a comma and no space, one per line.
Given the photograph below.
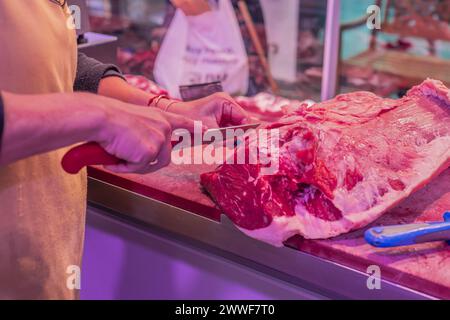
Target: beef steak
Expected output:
[342,164]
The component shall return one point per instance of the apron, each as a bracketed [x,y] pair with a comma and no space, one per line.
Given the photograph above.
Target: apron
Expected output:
[42,209]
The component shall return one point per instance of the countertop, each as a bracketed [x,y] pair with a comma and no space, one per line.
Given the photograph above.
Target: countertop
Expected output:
[424,268]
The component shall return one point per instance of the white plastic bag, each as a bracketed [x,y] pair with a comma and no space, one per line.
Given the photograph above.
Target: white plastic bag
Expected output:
[201,49]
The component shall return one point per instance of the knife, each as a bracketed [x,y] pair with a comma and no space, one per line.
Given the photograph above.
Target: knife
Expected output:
[408,234]
[92,153]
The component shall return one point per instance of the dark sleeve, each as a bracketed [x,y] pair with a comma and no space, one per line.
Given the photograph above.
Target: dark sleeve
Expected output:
[91,71]
[2,119]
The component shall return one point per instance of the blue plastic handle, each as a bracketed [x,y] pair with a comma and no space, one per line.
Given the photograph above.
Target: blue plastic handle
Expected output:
[408,234]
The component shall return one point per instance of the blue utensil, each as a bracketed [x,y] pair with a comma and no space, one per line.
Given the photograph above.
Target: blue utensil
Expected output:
[407,234]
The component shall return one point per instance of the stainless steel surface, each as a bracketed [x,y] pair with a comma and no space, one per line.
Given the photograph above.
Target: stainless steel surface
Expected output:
[128,262]
[223,239]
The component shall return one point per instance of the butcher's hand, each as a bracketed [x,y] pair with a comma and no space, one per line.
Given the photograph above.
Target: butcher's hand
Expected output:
[216,110]
[140,136]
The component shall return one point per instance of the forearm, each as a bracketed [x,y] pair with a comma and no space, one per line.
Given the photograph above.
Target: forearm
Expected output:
[117,88]
[39,123]
[106,80]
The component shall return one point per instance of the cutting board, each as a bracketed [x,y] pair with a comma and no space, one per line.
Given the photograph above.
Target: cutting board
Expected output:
[424,267]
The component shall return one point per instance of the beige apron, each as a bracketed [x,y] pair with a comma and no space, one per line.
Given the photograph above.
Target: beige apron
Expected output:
[42,209]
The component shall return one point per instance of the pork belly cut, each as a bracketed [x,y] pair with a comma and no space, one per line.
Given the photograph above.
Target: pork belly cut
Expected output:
[342,164]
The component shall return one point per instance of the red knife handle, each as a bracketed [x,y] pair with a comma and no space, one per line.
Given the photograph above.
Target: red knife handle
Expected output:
[87,154]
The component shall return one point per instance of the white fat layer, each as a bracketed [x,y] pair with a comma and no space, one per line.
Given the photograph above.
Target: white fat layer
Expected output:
[311,227]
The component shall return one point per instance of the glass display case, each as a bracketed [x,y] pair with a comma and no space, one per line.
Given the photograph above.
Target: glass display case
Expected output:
[290,35]
[382,46]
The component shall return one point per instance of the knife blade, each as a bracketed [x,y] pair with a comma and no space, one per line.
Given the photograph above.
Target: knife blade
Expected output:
[224,130]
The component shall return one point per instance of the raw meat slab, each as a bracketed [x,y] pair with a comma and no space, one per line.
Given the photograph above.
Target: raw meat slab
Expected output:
[342,164]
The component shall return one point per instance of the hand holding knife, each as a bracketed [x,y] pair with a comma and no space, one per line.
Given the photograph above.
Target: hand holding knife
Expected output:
[92,153]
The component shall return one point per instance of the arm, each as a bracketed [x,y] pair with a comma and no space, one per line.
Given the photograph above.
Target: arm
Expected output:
[117,88]
[219,109]
[30,130]
[106,80]
[39,123]
[91,71]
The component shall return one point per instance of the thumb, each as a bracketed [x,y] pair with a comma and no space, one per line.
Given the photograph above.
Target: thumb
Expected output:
[239,115]
[233,114]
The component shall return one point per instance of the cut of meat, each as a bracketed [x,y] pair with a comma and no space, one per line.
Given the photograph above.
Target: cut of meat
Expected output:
[270,105]
[342,164]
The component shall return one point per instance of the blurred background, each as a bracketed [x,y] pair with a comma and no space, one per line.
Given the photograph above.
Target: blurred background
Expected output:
[412,44]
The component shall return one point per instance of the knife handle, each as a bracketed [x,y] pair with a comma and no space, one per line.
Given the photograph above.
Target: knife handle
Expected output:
[408,234]
[87,154]
[90,154]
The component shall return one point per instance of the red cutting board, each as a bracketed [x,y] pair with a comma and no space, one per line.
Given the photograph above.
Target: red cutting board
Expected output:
[424,267]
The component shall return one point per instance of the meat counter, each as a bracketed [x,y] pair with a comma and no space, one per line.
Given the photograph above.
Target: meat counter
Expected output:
[171,203]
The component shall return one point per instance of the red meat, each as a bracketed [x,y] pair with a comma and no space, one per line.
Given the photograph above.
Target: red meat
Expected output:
[342,164]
